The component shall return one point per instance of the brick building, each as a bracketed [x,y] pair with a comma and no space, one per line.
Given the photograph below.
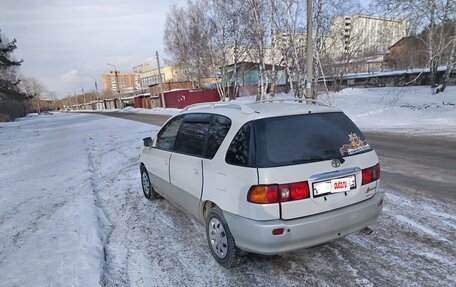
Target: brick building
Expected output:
[122,83]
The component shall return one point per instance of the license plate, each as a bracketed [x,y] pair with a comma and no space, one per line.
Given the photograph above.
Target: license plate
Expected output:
[334,185]
[340,185]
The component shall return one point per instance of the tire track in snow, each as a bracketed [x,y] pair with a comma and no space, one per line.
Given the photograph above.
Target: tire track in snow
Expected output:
[115,207]
[103,220]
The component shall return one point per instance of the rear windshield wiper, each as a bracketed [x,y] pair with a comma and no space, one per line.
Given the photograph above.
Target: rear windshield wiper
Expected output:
[340,158]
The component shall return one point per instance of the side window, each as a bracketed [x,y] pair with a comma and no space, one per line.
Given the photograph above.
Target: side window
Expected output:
[239,150]
[192,135]
[167,136]
[219,128]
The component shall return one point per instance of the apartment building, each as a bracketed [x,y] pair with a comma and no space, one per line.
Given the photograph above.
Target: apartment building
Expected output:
[362,36]
[148,74]
[117,82]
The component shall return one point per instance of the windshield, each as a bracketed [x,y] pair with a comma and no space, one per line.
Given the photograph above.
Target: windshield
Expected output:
[306,138]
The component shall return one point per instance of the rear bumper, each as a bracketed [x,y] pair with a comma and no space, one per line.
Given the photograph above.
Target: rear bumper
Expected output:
[256,236]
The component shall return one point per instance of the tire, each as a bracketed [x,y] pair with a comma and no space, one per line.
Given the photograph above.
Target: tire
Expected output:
[147,188]
[221,242]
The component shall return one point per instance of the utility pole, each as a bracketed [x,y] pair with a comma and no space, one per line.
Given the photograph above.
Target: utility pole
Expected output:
[117,84]
[83,97]
[309,51]
[75,99]
[37,100]
[96,90]
[160,80]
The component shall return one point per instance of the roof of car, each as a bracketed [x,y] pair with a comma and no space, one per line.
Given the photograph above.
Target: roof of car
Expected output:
[257,110]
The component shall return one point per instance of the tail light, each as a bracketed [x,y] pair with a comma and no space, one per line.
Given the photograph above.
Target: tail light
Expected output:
[371,174]
[263,194]
[274,193]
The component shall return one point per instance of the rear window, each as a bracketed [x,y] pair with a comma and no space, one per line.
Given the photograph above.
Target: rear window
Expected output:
[306,138]
[239,151]
[217,133]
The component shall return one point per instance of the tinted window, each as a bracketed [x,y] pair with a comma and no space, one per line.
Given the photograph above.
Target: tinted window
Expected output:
[306,138]
[192,135]
[239,150]
[167,136]
[219,128]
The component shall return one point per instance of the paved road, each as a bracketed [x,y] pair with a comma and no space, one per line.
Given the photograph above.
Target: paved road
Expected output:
[416,165]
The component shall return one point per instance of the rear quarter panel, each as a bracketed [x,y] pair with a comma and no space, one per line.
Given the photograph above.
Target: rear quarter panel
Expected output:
[227,186]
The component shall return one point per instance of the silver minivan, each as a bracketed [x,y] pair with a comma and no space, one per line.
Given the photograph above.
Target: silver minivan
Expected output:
[266,177]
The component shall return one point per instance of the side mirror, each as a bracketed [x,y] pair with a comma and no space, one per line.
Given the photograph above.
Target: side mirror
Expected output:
[147,141]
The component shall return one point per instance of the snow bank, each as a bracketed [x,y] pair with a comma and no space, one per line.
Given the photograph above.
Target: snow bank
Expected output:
[155,111]
[412,110]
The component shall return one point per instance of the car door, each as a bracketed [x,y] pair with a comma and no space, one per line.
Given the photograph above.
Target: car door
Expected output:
[186,163]
[198,140]
[156,158]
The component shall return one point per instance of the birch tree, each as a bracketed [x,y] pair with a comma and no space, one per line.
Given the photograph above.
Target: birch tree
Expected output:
[226,43]
[257,37]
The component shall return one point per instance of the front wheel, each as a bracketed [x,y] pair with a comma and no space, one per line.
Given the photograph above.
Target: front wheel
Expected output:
[221,242]
[147,188]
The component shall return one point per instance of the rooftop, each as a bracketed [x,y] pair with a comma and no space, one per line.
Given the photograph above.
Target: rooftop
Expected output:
[247,112]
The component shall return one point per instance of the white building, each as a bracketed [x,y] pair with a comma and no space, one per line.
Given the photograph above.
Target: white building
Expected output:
[364,35]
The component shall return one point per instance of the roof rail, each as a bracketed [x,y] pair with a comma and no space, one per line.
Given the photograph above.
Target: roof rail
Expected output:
[231,104]
[304,101]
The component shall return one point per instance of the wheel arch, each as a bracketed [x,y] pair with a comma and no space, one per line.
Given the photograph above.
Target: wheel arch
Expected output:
[205,207]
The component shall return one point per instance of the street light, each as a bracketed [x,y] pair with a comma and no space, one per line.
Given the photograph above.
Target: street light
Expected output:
[117,82]
[96,89]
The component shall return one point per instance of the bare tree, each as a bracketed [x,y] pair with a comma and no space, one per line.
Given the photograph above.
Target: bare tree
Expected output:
[35,90]
[176,40]
[209,37]
[290,42]
[257,36]
[226,44]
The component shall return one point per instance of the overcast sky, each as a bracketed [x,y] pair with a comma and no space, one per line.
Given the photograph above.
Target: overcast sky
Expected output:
[62,43]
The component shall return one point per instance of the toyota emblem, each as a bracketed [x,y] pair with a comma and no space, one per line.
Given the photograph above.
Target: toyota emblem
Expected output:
[335,163]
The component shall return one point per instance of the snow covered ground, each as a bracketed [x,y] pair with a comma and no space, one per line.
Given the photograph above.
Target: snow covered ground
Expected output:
[72,213]
[412,110]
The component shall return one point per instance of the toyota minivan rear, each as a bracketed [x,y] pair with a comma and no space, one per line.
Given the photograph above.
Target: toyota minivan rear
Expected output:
[320,171]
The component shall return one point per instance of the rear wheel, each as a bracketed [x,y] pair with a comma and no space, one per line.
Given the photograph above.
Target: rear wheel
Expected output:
[221,242]
[147,188]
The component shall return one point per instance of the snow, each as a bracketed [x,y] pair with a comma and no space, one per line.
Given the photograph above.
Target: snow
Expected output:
[52,226]
[412,110]
[72,213]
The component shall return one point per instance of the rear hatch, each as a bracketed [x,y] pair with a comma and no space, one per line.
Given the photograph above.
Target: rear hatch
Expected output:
[324,151]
